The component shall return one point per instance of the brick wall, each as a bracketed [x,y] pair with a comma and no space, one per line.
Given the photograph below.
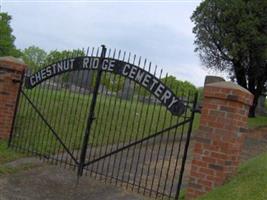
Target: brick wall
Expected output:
[216,151]
[11,71]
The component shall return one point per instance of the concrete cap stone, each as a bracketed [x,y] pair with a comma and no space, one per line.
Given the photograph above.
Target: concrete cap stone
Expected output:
[12,59]
[228,91]
[229,85]
[213,79]
[12,63]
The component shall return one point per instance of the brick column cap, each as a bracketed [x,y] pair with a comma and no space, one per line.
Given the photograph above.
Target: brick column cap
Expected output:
[12,63]
[229,91]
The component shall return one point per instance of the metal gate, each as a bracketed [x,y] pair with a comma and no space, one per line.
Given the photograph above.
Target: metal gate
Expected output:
[109,115]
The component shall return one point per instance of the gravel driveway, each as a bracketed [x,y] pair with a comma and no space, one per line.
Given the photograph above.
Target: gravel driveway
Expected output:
[48,182]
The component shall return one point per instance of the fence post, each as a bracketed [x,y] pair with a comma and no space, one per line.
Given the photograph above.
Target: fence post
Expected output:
[219,140]
[11,71]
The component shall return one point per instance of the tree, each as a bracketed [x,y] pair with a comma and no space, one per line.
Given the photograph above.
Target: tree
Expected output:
[34,57]
[7,46]
[55,55]
[231,36]
[180,88]
[112,82]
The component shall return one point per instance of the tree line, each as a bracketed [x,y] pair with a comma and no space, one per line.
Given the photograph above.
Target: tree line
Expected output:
[36,58]
[231,36]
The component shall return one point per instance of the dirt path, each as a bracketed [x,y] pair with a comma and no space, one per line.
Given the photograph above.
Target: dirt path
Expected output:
[54,183]
[36,181]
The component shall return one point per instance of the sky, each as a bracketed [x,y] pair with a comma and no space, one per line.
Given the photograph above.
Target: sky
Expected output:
[160,31]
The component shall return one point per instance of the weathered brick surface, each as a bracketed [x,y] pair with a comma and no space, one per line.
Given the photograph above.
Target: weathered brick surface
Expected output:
[220,137]
[11,71]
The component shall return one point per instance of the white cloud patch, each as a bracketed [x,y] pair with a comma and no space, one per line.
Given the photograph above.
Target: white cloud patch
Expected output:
[160,32]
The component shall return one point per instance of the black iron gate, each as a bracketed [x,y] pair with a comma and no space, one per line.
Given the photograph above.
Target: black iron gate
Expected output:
[110,115]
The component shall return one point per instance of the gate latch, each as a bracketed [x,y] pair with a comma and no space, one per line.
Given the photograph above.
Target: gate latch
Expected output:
[197,109]
[93,118]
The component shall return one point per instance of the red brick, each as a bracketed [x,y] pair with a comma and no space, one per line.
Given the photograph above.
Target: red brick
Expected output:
[8,95]
[208,159]
[196,174]
[205,183]
[218,142]
[206,171]
[199,163]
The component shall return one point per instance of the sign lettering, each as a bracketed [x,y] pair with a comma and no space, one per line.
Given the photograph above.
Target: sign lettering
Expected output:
[137,74]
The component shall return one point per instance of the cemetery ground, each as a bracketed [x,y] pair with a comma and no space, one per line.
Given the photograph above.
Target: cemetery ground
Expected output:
[117,120]
[249,184]
[15,166]
[134,120]
[7,155]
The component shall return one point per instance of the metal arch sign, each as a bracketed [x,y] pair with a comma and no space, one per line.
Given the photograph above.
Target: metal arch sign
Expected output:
[147,80]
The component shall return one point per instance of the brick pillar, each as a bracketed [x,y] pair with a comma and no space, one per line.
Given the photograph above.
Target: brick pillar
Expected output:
[11,70]
[219,139]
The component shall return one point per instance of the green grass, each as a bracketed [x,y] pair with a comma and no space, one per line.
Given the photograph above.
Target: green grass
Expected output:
[7,154]
[4,170]
[117,120]
[196,122]
[249,184]
[257,121]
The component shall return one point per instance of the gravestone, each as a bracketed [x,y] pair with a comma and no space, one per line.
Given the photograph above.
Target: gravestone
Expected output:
[128,90]
[260,109]
[85,79]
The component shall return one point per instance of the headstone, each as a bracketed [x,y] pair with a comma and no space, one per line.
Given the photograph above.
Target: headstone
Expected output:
[82,78]
[127,91]
[260,109]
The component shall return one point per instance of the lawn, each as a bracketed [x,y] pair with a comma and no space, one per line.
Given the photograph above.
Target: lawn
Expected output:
[257,121]
[249,184]
[7,155]
[117,120]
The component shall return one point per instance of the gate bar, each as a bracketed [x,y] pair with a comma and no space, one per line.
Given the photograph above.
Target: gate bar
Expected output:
[16,106]
[91,117]
[138,142]
[49,126]
[186,146]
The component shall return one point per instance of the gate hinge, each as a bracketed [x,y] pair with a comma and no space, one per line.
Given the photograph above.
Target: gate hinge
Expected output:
[197,109]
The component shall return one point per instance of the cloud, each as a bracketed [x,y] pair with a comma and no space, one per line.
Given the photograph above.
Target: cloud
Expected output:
[160,32]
